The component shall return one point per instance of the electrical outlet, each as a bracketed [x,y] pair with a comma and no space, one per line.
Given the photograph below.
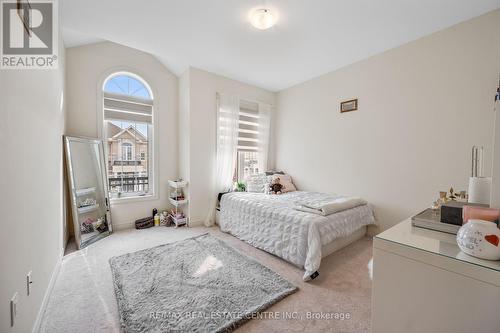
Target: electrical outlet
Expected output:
[29,282]
[13,308]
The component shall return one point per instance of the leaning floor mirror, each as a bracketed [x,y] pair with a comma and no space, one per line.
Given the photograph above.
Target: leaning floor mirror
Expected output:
[88,189]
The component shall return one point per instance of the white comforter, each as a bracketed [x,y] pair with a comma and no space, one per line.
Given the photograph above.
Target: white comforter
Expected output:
[270,223]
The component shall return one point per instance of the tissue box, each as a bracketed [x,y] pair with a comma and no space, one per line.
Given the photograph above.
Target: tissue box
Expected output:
[481,213]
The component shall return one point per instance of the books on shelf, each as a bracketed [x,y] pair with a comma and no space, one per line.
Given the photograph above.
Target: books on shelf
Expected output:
[431,219]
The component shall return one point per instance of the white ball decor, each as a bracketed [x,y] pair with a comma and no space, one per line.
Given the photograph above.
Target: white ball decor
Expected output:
[480,239]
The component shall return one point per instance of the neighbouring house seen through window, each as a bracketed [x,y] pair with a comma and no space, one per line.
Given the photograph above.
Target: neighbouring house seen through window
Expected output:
[248,164]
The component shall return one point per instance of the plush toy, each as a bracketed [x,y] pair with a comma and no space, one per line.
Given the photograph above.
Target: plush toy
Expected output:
[275,187]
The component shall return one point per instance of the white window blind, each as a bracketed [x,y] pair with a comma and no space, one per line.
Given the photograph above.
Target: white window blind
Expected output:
[252,136]
[248,129]
[121,107]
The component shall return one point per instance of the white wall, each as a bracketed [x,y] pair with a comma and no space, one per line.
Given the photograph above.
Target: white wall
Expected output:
[31,196]
[422,106]
[198,137]
[87,67]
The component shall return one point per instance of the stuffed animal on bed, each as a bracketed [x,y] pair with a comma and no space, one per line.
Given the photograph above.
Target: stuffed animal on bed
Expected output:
[275,187]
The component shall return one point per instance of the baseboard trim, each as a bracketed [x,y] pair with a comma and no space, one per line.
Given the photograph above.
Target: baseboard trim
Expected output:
[46,297]
[123,226]
[196,223]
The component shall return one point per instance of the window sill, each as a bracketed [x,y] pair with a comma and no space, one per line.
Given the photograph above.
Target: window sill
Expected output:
[118,201]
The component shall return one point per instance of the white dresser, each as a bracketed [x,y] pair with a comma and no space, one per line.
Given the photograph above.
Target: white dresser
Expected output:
[422,282]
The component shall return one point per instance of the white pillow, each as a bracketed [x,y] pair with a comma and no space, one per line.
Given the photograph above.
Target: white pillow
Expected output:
[286,181]
[257,183]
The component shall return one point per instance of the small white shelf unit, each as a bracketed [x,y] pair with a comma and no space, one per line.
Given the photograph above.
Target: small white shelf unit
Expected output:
[85,191]
[178,185]
[87,209]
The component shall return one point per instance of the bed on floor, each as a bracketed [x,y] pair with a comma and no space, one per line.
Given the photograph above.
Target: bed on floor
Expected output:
[272,223]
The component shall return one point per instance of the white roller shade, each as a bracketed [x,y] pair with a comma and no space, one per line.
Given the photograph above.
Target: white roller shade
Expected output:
[248,129]
[120,107]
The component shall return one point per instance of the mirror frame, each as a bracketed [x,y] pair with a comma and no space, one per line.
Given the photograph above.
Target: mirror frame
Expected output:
[72,189]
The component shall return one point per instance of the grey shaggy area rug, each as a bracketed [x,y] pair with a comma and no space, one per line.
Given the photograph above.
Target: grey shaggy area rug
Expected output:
[199,284]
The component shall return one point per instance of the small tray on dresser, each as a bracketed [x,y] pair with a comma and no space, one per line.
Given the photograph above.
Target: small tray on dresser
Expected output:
[431,219]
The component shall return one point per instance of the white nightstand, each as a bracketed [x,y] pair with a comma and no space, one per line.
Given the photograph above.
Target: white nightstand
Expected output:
[422,282]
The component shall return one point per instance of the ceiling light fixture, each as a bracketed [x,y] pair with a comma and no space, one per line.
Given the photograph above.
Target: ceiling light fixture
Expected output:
[262,19]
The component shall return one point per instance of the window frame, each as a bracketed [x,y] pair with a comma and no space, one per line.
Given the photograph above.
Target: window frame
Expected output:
[126,151]
[240,165]
[153,151]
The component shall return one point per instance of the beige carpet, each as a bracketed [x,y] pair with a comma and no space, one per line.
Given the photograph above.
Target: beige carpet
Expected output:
[83,298]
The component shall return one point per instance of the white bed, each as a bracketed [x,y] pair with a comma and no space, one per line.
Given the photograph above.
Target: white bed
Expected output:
[270,223]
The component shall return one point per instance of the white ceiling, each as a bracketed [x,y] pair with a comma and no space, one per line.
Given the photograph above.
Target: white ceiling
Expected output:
[74,38]
[311,37]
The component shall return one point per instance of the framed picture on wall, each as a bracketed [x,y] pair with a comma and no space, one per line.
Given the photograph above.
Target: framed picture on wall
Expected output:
[350,105]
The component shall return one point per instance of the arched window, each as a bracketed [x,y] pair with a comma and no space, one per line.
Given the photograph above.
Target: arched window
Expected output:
[127,85]
[128,124]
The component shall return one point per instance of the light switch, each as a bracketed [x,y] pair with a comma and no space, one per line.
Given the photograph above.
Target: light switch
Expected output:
[29,282]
